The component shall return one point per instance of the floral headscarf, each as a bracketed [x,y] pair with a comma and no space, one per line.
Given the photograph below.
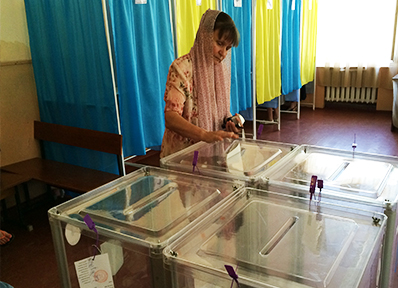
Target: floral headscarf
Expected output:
[211,81]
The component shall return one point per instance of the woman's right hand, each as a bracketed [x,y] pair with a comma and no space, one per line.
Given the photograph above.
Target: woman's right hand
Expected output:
[215,136]
[179,125]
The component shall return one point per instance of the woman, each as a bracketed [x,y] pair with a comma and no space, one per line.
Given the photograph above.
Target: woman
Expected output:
[198,87]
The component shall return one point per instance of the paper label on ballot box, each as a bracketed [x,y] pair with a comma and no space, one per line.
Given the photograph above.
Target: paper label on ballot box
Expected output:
[94,272]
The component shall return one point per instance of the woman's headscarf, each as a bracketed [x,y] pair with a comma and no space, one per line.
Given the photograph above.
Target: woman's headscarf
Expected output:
[211,81]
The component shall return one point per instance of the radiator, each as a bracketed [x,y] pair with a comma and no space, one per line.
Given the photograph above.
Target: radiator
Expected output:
[351,94]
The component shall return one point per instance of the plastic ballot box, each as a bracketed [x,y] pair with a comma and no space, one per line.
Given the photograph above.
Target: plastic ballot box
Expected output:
[260,238]
[115,234]
[348,177]
[244,159]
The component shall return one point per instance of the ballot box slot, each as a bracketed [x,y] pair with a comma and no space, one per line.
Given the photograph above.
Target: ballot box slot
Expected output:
[279,236]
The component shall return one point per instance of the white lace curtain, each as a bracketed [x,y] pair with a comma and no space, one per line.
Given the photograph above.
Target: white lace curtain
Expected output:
[355,39]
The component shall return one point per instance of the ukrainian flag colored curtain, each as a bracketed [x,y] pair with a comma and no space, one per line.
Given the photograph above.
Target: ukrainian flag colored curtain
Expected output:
[268,63]
[241,56]
[308,40]
[144,50]
[72,74]
[290,50]
[188,15]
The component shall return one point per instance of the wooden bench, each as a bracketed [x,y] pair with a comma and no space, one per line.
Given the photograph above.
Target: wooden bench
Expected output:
[67,176]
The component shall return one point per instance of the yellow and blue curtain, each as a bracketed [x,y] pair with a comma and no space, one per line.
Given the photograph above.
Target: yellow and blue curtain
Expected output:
[74,78]
[188,15]
[72,74]
[268,63]
[241,56]
[308,40]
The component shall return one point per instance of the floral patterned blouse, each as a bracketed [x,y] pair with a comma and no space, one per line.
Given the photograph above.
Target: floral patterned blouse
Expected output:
[179,97]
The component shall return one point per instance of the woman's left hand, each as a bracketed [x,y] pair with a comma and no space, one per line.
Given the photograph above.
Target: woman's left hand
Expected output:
[230,126]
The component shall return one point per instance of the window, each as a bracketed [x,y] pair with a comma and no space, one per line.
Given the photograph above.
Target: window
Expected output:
[352,32]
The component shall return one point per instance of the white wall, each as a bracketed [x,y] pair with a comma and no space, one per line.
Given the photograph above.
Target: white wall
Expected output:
[18,98]
[18,101]
[14,40]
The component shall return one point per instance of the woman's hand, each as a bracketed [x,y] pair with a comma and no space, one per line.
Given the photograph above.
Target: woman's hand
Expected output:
[178,124]
[214,136]
[231,127]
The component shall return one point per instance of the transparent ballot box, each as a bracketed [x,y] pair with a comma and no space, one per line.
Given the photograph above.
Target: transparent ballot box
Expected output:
[134,218]
[348,177]
[244,159]
[274,240]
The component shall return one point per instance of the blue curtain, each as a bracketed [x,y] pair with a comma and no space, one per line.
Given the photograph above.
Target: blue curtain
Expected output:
[290,52]
[241,66]
[144,51]
[72,73]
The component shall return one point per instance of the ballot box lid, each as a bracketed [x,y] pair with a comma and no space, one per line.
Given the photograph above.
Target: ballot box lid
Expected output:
[245,159]
[150,206]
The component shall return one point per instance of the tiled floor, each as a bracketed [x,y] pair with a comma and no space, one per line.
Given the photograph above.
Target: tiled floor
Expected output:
[29,261]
